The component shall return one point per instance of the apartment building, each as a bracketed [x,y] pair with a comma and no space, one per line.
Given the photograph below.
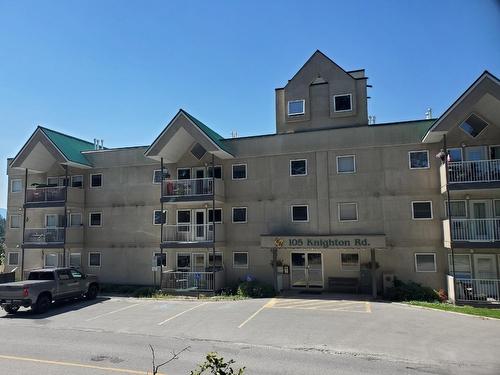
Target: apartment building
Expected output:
[327,197]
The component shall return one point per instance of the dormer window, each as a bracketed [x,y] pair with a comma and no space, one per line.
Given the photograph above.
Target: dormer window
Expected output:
[296,107]
[473,125]
[342,103]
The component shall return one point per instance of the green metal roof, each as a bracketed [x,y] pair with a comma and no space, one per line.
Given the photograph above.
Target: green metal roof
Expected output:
[69,146]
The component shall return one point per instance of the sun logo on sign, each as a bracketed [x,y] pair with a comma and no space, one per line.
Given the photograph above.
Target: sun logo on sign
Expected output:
[278,242]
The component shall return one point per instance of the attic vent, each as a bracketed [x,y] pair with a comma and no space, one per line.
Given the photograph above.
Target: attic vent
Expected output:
[198,151]
[318,81]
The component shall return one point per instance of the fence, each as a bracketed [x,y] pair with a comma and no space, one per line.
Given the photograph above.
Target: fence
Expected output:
[474,171]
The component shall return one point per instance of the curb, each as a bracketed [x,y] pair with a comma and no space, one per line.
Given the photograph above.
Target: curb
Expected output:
[445,311]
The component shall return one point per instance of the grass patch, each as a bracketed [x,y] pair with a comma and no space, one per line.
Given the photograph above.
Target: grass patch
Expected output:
[470,310]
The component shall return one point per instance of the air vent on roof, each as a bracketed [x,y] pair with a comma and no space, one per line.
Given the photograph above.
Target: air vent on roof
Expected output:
[198,151]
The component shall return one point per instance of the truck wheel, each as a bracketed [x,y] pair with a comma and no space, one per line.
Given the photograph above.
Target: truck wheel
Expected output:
[10,309]
[92,292]
[42,304]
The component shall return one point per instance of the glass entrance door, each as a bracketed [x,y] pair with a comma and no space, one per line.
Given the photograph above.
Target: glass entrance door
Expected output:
[307,270]
[200,226]
[482,229]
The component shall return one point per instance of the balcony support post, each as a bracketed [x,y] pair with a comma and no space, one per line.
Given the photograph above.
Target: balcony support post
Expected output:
[24,221]
[65,216]
[213,219]
[448,209]
[162,222]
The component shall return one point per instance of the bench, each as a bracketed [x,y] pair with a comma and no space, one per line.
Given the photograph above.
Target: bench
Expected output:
[343,283]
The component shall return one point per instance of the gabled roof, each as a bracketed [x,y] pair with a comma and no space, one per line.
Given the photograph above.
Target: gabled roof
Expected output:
[69,146]
[210,133]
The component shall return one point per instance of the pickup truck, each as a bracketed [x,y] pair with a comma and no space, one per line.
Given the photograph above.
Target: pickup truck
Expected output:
[45,286]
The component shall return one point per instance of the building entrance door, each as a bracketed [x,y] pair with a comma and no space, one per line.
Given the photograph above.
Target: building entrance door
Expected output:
[200,227]
[307,270]
[482,228]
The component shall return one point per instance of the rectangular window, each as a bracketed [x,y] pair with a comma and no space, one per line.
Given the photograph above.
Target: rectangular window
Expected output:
[51,221]
[161,259]
[296,107]
[218,215]
[50,260]
[158,218]
[75,220]
[239,171]
[346,164]
[64,181]
[421,210]
[53,181]
[418,159]
[95,219]
[349,261]
[300,213]
[13,258]
[183,173]
[348,211]
[16,186]
[184,262]
[473,125]
[75,260]
[463,266]
[298,167]
[219,264]
[496,204]
[218,171]
[157,176]
[239,214]
[94,259]
[458,209]
[15,221]
[77,181]
[96,180]
[455,154]
[342,103]
[425,262]
[183,217]
[494,152]
[240,259]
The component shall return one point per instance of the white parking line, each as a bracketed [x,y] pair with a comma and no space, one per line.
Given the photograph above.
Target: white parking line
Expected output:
[112,312]
[179,314]
[269,304]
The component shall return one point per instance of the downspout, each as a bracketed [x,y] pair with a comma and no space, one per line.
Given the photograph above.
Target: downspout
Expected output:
[213,219]
[24,220]
[65,213]
[162,223]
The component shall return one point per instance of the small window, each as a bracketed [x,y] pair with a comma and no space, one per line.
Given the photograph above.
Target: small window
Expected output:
[421,210]
[496,203]
[240,260]
[75,220]
[342,103]
[458,209]
[50,260]
[425,262]
[418,159]
[218,171]
[239,171]
[161,259]
[51,221]
[157,176]
[53,181]
[300,213]
[183,217]
[239,214]
[95,219]
[296,107]
[94,259]
[64,181]
[298,167]
[473,125]
[219,261]
[463,267]
[77,181]
[349,261]
[183,173]
[218,215]
[13,258]
[75,260]
[494,152]
[183,262]
[346,164]
[348,211]
[15,221]
[455,154]
[16,186]
[96,180]
[158,218]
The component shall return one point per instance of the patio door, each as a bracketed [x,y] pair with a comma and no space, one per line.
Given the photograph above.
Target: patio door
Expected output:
[200,227]
[476,153]
[306,270]
[198,262]
[481,228]
[485,266]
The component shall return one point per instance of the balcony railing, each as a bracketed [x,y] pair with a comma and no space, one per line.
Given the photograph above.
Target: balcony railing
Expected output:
[188,233]
[46,194]
[43,235]
[188,187]
[480,230]
[192,281]
[478,290]
[474,171]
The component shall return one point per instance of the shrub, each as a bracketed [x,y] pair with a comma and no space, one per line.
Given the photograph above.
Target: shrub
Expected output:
[255,289]
[216,365]
[411,291]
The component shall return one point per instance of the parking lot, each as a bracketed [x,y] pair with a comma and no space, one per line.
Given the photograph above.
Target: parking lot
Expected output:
[297,334]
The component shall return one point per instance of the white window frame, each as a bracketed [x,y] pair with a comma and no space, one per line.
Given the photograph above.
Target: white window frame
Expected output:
[416,168]
[215,166]
[489,151]
[75,254]
[71,220]
[349,268]
[239,222]
[90,182]
[347,221]
[296,113]
[425,218]
[154,216]
[466,208]
[90,221]
[155,253]
[297,175]
[450,261]
[45,260]
[238,165]
[10,221]
[435,263]
[53,177]
[12,185]
[184,169]
[461,153]
[47,219]
[478,116]
[221,216]
[493,208]
[343,110]
[216,253]
[100,259]
[238,266]
[346,156]
[299,205]
[18,258]
[154,174]
[71,181]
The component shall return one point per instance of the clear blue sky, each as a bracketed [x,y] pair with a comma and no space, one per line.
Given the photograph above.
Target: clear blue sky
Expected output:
[119,70]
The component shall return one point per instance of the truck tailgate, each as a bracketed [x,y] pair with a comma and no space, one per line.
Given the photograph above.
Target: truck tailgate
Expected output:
[15,290]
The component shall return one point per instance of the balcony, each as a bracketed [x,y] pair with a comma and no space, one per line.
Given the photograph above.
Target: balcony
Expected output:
[192,281]
[472,232]
[53,196]
[471,174]
[192,190]
[44,237]
[189,235]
